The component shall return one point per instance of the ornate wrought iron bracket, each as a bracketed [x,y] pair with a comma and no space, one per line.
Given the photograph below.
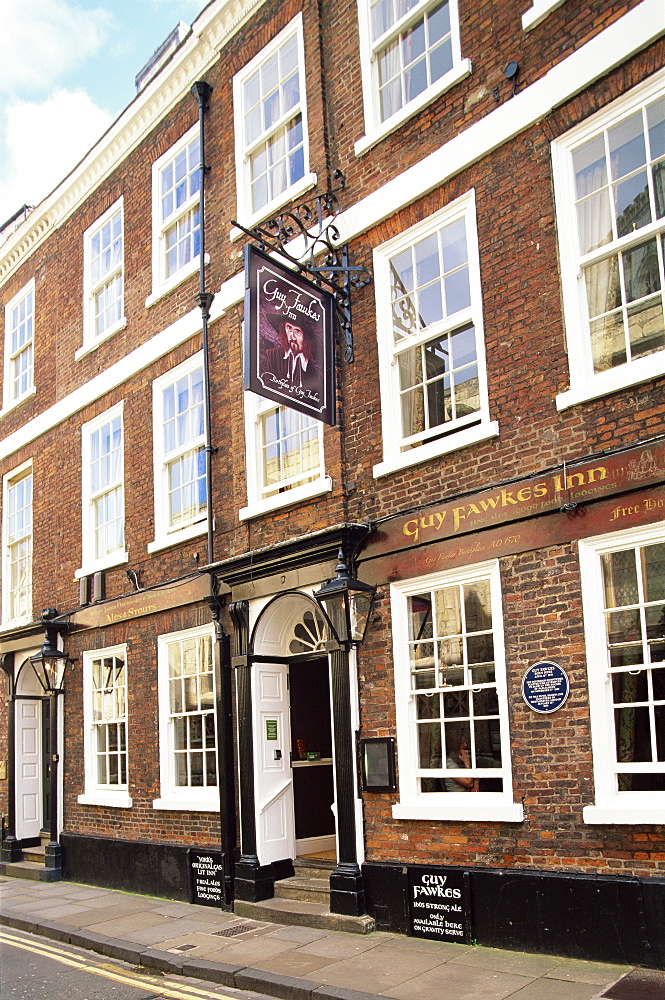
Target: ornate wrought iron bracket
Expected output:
[312,228]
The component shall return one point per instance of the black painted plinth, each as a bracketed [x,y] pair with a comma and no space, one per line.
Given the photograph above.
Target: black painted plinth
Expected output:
[11,850]
[253,882]
[599,918]
[347,893]
[53,857]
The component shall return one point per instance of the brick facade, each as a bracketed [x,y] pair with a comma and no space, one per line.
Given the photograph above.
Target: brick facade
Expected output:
[527,356]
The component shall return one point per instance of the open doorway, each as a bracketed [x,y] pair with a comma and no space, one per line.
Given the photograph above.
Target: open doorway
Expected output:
[312,758]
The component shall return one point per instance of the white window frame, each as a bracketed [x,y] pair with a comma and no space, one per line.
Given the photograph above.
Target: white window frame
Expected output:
[246,213]
[172,796]
[165,535]
[96,794]
[394,458]
[375,129]
[538,11]
[584,383]
[414,804]
[9,400]
[257,502]
[161,284]
[610,805]
[9,481]
[89,562]
[91,339]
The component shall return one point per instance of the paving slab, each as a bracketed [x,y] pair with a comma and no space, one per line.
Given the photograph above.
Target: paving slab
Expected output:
[128,926]
[587,972]
[381,969]
[294,963]
[257,950]
[302,935]
[459,983]
[340,945]
[548,989]
[521,963]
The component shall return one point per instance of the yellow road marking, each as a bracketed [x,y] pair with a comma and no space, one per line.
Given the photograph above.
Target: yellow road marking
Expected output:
[148,984]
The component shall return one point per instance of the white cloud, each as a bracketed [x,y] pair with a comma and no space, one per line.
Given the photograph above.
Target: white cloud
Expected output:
[43,40]
[43,142]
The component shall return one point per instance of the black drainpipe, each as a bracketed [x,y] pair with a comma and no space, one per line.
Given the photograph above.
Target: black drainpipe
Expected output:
[222,662]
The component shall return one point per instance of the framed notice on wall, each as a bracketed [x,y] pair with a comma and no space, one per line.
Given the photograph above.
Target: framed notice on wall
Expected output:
[289,345]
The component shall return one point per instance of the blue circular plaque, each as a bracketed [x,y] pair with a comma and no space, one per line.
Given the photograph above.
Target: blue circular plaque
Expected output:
[545,687]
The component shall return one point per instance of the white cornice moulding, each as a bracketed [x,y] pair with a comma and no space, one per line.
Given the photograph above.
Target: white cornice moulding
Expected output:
[213,28]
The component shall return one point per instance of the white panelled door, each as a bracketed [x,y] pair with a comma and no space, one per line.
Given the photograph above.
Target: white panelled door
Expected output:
[275,825]
[28,769]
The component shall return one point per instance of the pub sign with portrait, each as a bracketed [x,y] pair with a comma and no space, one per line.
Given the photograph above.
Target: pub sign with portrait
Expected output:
[289,347]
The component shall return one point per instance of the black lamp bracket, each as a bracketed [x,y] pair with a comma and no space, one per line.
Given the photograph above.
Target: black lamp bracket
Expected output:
[314,224]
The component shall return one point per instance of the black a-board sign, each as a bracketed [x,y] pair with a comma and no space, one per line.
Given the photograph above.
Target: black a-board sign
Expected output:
[206,877]
[440,904]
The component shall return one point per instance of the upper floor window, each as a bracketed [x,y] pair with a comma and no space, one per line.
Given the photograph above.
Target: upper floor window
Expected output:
[284,456]
[105,727]
[19,345]
[410,52]
[103,276]
[451,701]
[538,11]
[272,149]
[610,187]
[431,351]
[103,491]
[176,184]
[623,586]
[17,545]
[187,739]
[179,453]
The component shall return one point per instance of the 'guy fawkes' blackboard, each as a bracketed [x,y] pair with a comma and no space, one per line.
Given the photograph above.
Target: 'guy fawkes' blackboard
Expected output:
[439,904]
[206,877]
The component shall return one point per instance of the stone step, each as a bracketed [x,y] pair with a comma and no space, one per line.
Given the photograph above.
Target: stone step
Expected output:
[24,869]
[315,889]
[309,869]
[35,854]
[303,914]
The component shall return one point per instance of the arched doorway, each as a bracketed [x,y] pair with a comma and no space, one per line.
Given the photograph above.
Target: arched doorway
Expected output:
[293,745]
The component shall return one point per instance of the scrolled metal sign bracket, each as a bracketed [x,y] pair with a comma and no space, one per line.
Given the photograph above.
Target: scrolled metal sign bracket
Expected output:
[313,227]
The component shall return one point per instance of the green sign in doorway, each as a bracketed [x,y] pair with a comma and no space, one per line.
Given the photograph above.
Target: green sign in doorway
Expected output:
[271,729]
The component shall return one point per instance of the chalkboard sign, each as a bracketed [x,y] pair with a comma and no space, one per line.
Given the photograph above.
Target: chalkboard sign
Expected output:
[439,904]
[545,687]
[206,877]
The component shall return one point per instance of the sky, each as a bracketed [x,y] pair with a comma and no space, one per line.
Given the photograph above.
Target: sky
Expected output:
[67,70]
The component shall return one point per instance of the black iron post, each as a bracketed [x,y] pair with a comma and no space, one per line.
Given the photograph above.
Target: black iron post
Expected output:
[11,850]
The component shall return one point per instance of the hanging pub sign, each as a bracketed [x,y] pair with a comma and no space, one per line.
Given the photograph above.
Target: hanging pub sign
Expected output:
[289,347]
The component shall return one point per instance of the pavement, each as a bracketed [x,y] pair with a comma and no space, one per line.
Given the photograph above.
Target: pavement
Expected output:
[302,963]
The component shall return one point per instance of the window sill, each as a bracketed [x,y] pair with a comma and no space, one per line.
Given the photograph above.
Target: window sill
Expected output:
[163,288]
[538,13]
[455,76]
[297,495]
[90,345]
[188,804]
[486,811]
[306,183]
[117,800]
[434,449]
[619,813]
[113,559]
[176,537]
[17,402]
[614,380]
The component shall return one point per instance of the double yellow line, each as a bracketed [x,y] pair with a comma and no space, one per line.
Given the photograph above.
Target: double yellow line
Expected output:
[150,984]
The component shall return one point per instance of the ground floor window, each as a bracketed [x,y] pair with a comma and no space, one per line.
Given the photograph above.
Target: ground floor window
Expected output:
[450,689]
[623,579]
[188,744]
[105,727]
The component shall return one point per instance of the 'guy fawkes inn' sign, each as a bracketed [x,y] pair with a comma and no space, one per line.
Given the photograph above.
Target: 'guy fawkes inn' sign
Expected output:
[525,498]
